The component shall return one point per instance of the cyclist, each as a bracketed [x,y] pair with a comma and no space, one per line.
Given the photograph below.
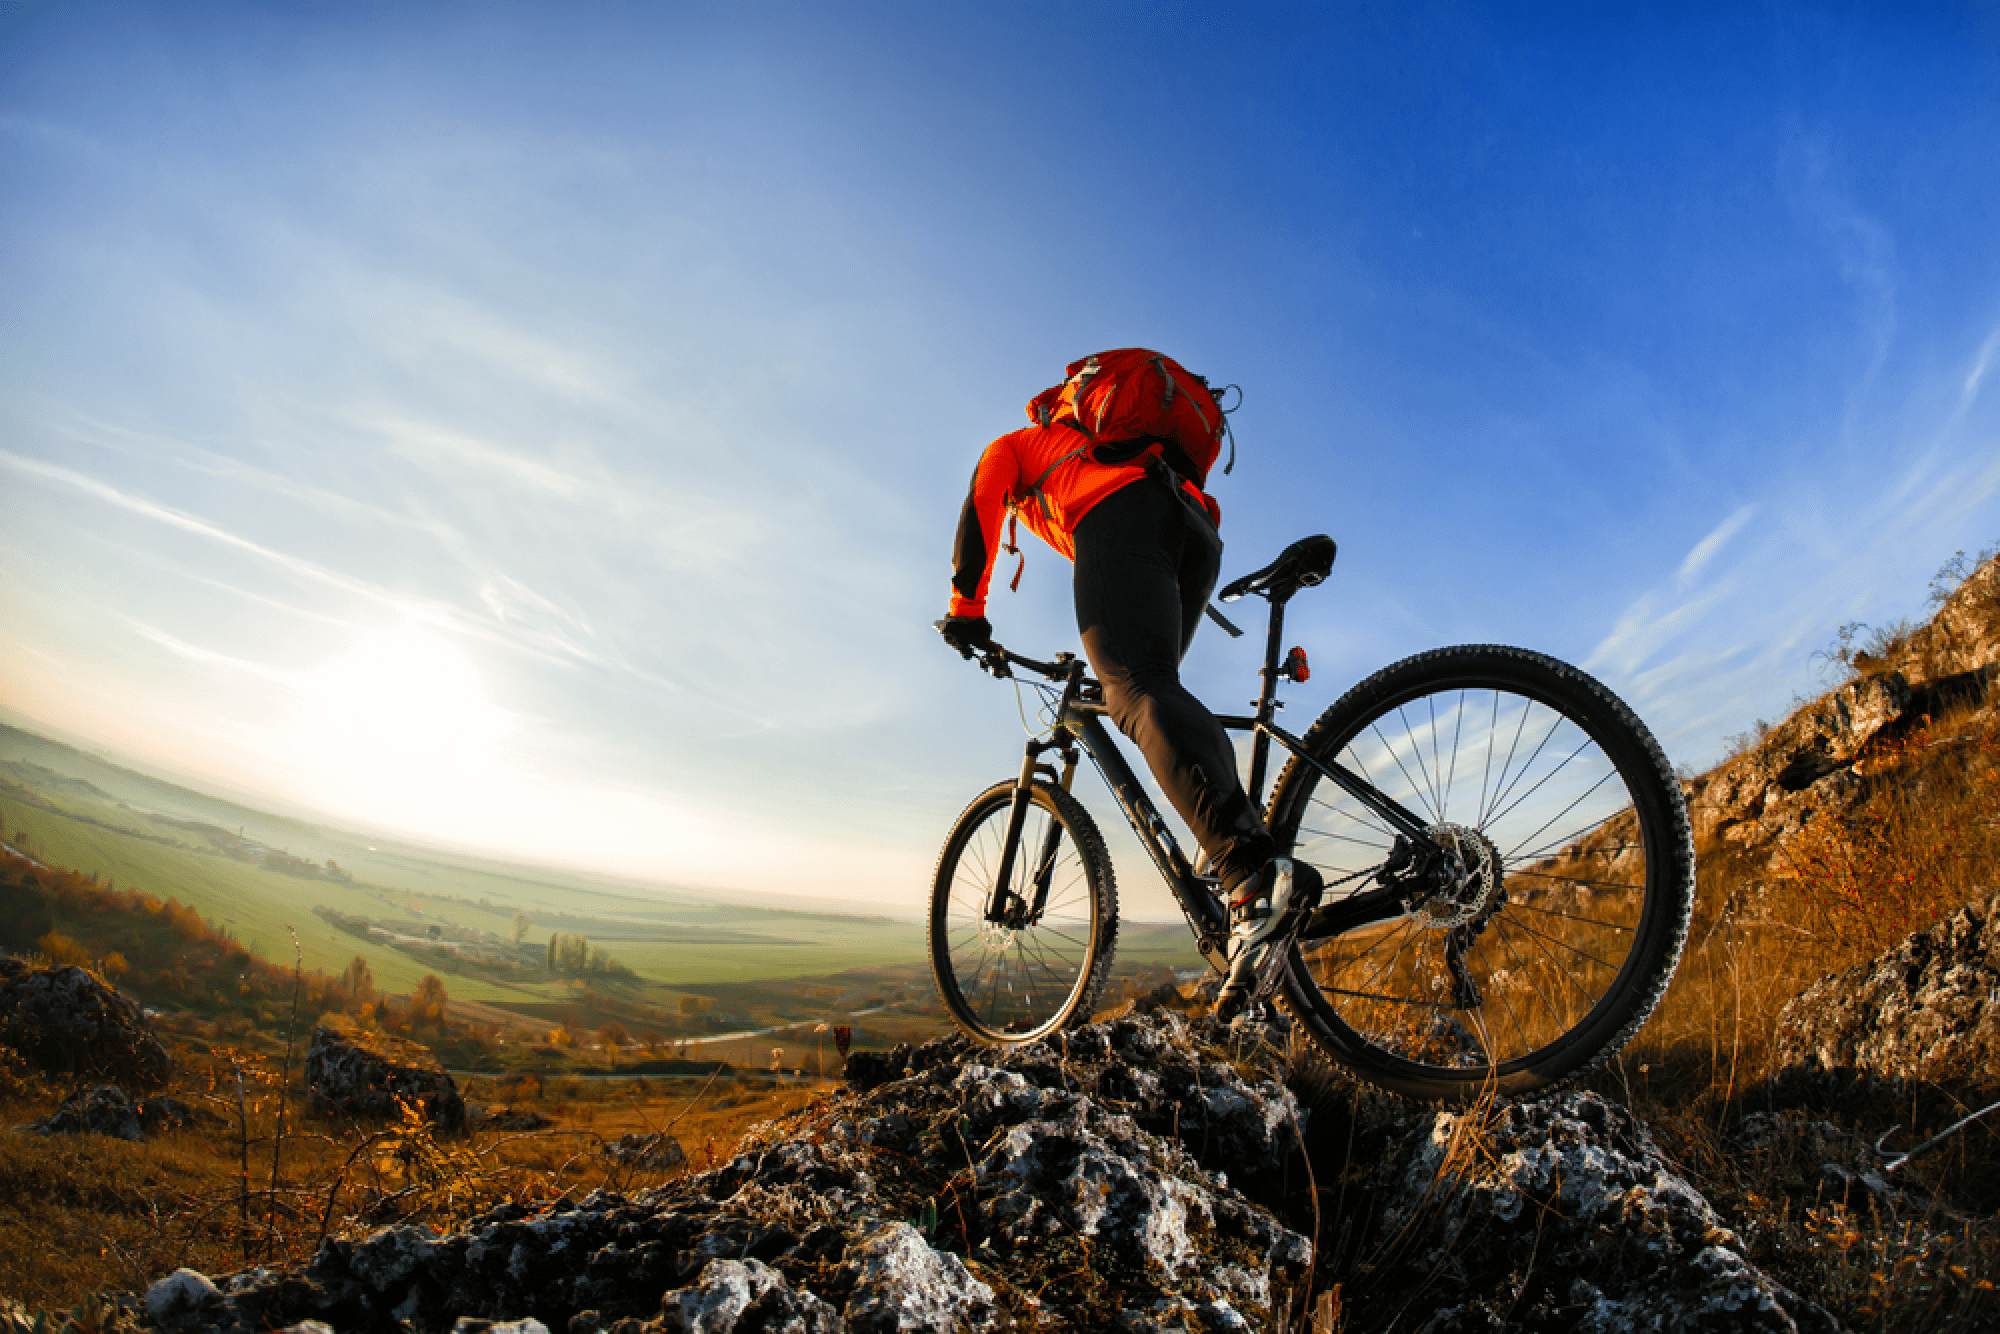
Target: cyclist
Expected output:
[1143,535]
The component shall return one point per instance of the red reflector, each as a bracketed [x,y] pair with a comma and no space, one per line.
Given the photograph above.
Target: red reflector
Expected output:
[1295,665]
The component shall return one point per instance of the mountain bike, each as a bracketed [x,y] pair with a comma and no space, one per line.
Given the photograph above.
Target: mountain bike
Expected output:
[1508,865]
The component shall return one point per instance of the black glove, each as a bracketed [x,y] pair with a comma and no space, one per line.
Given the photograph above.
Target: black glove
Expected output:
[966,633]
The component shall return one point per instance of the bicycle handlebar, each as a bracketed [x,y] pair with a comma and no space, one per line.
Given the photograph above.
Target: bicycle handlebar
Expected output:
[994,657]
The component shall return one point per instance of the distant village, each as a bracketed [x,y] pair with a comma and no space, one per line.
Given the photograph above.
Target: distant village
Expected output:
[276,859]
[434,937]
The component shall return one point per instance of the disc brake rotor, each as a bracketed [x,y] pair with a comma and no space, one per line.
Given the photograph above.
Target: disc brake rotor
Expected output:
[1475,891]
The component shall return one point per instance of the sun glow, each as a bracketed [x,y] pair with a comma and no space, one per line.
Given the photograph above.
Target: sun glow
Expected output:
[403,711]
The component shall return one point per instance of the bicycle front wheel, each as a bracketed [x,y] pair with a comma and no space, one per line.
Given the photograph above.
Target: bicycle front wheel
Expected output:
[1041,969]
[1578,875]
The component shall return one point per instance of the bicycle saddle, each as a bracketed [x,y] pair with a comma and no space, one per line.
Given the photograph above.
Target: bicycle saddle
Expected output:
[1300,565]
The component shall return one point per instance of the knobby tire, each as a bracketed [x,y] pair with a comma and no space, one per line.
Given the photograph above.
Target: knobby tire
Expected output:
[1009,986]
[1578,887]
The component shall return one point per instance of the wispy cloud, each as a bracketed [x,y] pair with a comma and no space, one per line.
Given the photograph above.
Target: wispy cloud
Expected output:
[208,657]
[531,474]
[1704,550]
[1662,616]
[1975,380]
[512,601]
[1734,631]
[1977,375]
[1649,625]
[285,606]
[1862,246]
[516,634]
[127,440]
[421,324]
[188,523]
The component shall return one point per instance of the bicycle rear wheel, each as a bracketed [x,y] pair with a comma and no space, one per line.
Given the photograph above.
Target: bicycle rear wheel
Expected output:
[1579,876]
[1010,984]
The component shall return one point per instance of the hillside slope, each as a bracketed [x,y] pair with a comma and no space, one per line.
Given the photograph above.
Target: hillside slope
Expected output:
[1866,814]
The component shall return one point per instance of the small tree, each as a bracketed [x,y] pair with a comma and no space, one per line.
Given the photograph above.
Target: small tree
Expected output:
[427,1003]
[521,925]
[357,981]
[61,951]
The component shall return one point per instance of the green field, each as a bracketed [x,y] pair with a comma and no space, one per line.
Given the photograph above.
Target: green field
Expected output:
[82,812]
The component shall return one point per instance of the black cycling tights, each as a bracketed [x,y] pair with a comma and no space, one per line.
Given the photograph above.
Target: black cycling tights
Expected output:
[1145,565]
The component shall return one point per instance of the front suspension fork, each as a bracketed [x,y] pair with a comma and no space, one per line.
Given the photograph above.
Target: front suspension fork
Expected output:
[1004,907]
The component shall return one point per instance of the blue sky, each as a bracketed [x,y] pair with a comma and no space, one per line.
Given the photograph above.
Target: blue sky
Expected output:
[541,427]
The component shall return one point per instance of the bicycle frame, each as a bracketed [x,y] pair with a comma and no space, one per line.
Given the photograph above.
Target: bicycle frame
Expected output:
[1079,714]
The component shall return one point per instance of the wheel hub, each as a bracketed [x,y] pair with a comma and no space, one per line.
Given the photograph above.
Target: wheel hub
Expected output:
[1469,887]
[997,936]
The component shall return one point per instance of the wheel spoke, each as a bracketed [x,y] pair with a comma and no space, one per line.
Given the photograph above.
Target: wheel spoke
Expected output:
[1540,782]
[1533,975]
[1527,766]
[1513,744]
[1617,886]
[1416,788]
[1370,844]
[1545,940]
[1571,917]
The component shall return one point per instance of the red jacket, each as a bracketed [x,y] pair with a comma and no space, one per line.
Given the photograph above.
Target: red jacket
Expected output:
[1043,475]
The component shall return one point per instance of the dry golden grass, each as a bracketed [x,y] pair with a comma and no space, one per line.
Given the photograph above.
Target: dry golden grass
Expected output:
[1923,841]
[85,1214]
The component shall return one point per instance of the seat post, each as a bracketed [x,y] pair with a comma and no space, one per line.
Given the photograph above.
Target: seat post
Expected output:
[1260,743]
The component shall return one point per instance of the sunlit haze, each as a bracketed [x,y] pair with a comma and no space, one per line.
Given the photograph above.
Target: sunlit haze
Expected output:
[540,428]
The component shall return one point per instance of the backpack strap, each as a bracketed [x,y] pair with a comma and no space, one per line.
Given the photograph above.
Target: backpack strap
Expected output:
[1035,487]
[1012,546]
[1173,452]
[1081,382]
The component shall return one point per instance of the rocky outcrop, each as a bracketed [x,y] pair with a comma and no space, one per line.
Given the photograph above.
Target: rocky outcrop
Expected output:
[368,1075]
[181,1300]
[949,1195]
[1564,1215]
[1926,1011]
[1798,766]
[65,1021]
[745,1294]
[107,1110]
[658,1150]
[1815,762]
[508,1118]
[1144,1174]
[1963,637]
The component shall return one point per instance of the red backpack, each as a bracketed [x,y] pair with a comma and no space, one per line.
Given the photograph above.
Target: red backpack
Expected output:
[1130,398]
